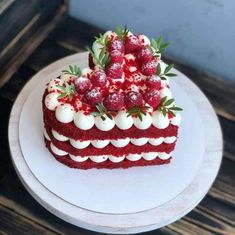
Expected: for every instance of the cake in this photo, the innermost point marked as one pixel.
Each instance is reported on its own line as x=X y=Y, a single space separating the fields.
x=116 y=113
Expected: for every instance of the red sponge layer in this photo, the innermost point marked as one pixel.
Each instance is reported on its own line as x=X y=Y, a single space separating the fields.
x=88 y=164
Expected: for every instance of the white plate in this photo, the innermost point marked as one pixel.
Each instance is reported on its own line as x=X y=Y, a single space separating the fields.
x=120 y=200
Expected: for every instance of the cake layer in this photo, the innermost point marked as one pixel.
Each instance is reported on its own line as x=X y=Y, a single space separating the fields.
x=110 y=149
x=71 y=131
x=88 y=164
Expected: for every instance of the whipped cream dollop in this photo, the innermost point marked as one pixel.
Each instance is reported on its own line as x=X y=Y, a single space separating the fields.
x=176 y=120
x=79 y=144
x=64 y=113
x=84 y=122
x=104 y=125
x=53 y=84
x=143 y=124
x=59 y=136
x=57 y=151
x=51 y=101
x=122 y=121
x=159 y=120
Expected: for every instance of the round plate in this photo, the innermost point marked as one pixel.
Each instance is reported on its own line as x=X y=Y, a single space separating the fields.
x=121 y=200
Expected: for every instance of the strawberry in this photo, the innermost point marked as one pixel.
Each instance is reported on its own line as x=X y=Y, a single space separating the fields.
x=98 y=78
x=82 y=84
x=133 y=99
x=114 y=101
x=149 y=68
x=145 y=54
x=114 y=70
x=94 y=96
x=153 y=82
x=116 y=56
x=153 y=98
x=132 y=44
x=116 y=44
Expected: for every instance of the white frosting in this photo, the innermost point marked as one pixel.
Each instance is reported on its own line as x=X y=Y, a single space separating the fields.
x=133 y=157
x=104 y=125
x=116 y=159
x=82 y=121
x=165 y=92
x=57 y=151
x=79 y=144
x=100 y=143
x=46 y=135
x=65 y=113
x=86 y=71
x=119 y=143
x=159 y=120
x=59 y=136
x=51 y=101
x=99 y=159
x=176 y=120
x=52 y=85
x=139 y=141
x=170 y=139
x=109 y=33
x=150 y=156
x=164 y=155
x=122 y=121
x=145 y=123
x=78 y=158
x=130 y=57
x=156 y=141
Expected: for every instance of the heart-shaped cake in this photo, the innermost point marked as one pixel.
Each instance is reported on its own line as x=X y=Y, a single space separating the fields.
x=119 y=112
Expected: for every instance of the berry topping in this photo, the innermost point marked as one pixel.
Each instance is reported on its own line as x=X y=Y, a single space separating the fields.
x=98 y=78
x=153 y=98
x=133 y=99
x=116 y=56
x=82 y=84
x=114 y=101
x=132 y=44
x=149 y=68
x=116 y=45
x=145 y=54
x=94 y=96
x=114 y=70
x=153 y=82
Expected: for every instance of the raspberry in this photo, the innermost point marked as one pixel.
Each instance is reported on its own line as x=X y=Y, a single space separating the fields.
x=133 y=99
x=82 y=84
x=149 y=68
x=116 y=56
x=114 y=70
x=153 y=98
x=90 y=61
x=114 y=101
x=132 y=44
x=116 y=44
x=145 y=54
x=153 y=82
x=94 y=96
x=98 y=78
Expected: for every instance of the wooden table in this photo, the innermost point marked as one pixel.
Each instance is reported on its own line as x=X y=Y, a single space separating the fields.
x=21 y=214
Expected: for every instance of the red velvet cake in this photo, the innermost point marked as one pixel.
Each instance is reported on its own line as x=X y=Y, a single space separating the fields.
x=119 y=112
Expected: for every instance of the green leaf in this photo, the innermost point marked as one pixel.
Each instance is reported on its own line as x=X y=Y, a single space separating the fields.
x=62 y=95
x=170 y=74
x=164 y=112
x=159 y=41
x=163 y=78
x=103 y=118
x=174 y=108
x=163 y=99
x=172 y=113
x=158 y=69
x=62 y=88
x=169 y=102
x=163 y=47
x=154 y=44
x=140 y=117
x=168 y=68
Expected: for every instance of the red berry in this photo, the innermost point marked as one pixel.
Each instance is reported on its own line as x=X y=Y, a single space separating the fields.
x=132 y=44
x=98 y=78
x=94 y=96
x=116 y=56
x=145 y=54
x=114 y=70
x=153 y=98
x=153 y=82
x=116 y=44
x=114 y=101
x=82 y=84
x=149 y=68
x=133 y=99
